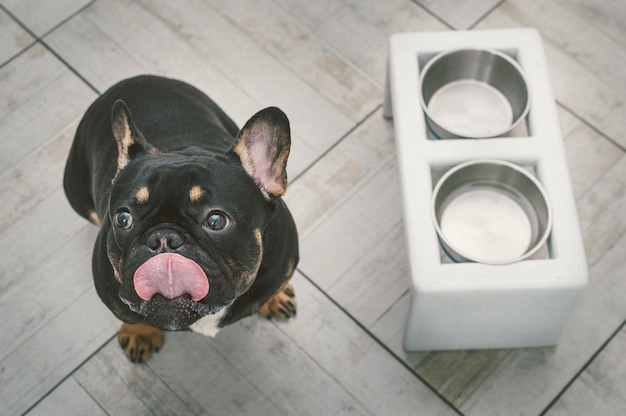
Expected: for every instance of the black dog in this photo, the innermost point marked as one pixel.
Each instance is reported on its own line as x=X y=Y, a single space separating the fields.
x=194 y=233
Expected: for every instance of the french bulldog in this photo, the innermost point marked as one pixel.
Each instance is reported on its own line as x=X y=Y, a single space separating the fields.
x=193 y=232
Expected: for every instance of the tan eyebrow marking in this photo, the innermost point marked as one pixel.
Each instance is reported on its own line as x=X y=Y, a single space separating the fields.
x=195 y=193
x=142 y=195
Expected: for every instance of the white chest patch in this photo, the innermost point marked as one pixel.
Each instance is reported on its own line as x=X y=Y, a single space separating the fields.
x=208 y=325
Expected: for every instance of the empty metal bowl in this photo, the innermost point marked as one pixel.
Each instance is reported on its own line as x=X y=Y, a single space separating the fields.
x=473 y=93
x=490 y=211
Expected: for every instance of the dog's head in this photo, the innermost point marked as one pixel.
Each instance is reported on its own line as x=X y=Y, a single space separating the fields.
x=186 y=231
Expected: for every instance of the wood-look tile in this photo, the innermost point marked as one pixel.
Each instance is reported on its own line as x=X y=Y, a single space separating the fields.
x=607 y=17
x=25 y=77
x=33 y=252
x=70 y=336
x=45 y=272
x=347 y=202
x=589 y=156
x=367 y=48
x=35 y=87
x=14 y=38
x=19 y=238
x=567 y=121
x=602 y=212
x=323 y=62
x=40 y=16
x=368 y=276
x=111 y=41
x=353 y=229
x=459 y=15
x=528 y=379
x=354 y=161
x=94 y=54
x=121 y=387
x=298 y=49
x=601 y=106
x=356 y=361
x=34 y=178
x=581 y=62
x=395 y=16
x=457 y=374
x=236 y=56
x=284 y=370
x=189 y=43
x=368 y=290
x=208 y=380
x=68 y=399
x=376 y=282
x=390 y=329
x=601 y=388
x=258 y=367
x=574 y=35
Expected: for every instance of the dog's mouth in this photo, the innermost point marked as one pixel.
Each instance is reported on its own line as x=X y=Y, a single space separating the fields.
x=169 y=287
x=171 y=275
x=172 y=314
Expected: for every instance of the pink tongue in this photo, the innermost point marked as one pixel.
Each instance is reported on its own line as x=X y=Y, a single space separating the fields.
x=171 y=275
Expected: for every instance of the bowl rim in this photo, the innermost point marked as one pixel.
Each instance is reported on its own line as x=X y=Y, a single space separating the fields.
x=513 y=62
x=450 y=250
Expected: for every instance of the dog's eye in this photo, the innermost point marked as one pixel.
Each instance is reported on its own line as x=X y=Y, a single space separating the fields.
x=216 y=221
x=123 y=220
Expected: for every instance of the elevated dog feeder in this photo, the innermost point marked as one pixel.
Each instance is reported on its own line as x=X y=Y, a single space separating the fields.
x=469 y=290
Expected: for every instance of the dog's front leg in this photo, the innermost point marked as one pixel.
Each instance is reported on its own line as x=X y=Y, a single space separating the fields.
x=139 y=341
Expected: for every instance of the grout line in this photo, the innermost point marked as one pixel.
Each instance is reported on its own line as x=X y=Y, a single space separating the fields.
x=583 y=369
x=69 y=67
x=26 y=47
x=381 y=344
x=433 y=14
x=485 y=14
x=591 y=126
x=53 y=28
x=71 y=374
x=326 y=44
x=39 y=39
x=89 y=392
x=18 y=54
x=448 y=25
x=334 y=145
x=323 y=368
x=68 y=18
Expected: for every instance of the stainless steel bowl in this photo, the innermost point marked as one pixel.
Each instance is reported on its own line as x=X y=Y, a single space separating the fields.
x=490 y=211
x=473 y=93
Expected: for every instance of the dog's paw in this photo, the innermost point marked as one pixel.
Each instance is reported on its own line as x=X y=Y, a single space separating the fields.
x=139 y=341
x=280 y=306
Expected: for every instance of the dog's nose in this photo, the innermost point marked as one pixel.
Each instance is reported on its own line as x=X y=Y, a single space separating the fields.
x=165 y=240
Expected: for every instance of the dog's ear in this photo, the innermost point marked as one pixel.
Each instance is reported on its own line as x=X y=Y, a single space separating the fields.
x=263 y=146
x=130 y=142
